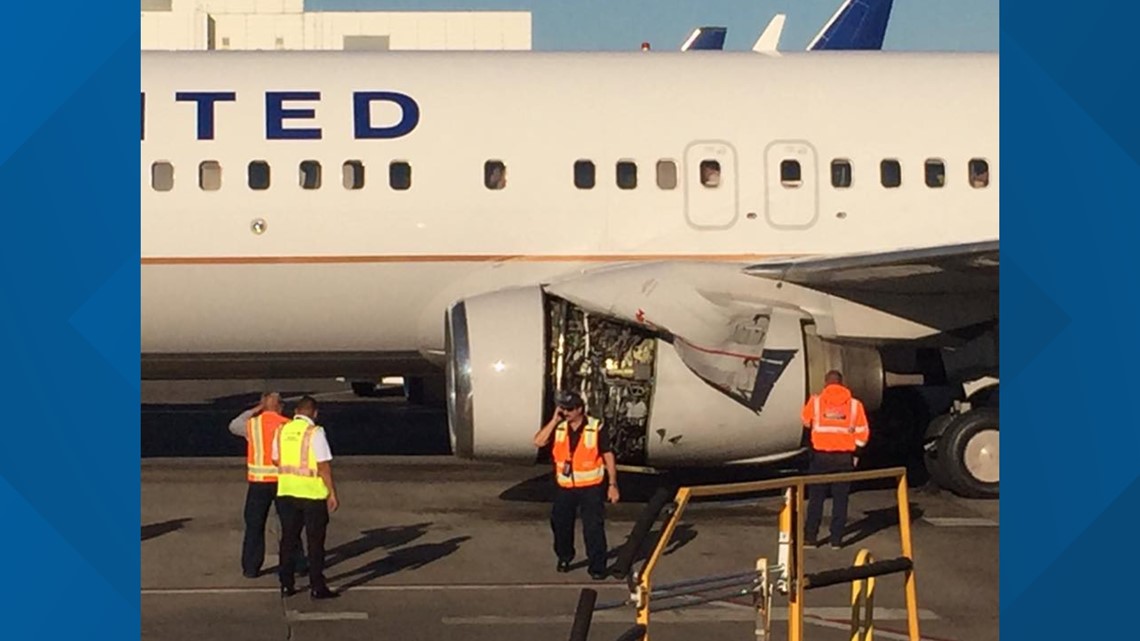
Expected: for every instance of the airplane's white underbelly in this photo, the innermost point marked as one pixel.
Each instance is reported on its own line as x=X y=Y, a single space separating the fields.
x=315 y=307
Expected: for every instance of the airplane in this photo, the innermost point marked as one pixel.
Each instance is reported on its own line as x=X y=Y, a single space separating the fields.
x=705 y=39
x=856 y=25
x=503 y=225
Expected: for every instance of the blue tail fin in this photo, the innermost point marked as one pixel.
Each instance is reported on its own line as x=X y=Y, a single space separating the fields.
x=858 y=25
x=705 y=39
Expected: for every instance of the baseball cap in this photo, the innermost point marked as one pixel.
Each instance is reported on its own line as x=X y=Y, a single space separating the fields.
x=568 y=400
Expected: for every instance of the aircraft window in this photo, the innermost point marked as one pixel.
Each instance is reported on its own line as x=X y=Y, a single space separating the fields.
x=979 y=173
x=584 y=174
x=210 y=175
x=841 y=173
x=352 y=174
x=791 y=175
x=935 y=173
x=666 y=174
x=891 y=173
x=400 y=175
x=162 y=176
x=626 y=175
x=710 y=174
x=494 y=174
x=259 y=175
x=310 y=174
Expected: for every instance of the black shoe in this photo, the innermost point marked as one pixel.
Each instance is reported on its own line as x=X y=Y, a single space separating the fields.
x=837 y=546
x=251 y=575
x=600 y=576
x=287 y=591
x=563 y=566
x=323 y=593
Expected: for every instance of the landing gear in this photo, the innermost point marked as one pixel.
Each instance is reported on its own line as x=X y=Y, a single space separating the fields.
x=962 y=452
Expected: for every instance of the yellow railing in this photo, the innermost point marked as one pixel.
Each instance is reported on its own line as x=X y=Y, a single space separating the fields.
x=792 y=580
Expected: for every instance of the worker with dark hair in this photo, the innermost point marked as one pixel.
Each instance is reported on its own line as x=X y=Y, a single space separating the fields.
x=839 y=431
x=582 y=460
x=306 y=495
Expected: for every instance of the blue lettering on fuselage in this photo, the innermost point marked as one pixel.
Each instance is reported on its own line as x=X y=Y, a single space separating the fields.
x=285 y=121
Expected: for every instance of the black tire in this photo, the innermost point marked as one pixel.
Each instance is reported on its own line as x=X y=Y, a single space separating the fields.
x=952 y=453
x=930 y=452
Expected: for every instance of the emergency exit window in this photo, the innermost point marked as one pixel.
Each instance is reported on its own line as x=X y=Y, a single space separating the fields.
x=399 y=175
x=710 y=174
x=791 y=174
x=310 y=174
x=162 y=176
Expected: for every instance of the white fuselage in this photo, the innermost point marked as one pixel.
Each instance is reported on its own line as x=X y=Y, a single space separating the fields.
x=373 y=269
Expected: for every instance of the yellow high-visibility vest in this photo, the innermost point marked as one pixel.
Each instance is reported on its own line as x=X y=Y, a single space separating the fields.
x=297 y=469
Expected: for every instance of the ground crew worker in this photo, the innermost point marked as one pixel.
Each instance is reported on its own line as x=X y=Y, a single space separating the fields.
x=258 y=426
x=582 y=460
x=839 y=431
x=305 y=496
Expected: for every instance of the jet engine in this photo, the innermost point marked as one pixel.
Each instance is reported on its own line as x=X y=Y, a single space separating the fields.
x=668 y=400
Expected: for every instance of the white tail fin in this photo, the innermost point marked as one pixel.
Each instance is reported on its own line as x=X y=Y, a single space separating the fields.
x=769 y=41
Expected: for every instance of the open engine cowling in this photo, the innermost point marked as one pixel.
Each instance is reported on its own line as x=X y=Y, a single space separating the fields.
x=668 y=401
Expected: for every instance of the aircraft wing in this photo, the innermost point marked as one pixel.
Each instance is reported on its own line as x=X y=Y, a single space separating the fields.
x=949 y=287
x=719 y=315
x=941 y=293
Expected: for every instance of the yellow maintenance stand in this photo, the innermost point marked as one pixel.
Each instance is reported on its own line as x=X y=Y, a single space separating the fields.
x=791 y=577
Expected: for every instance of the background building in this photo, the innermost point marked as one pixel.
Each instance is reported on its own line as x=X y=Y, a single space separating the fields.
x=284 y=24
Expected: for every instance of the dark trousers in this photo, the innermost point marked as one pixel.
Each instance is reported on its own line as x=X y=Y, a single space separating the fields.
x=258 y=498
x=312 y=516
x=591 y=501
x=821 y=463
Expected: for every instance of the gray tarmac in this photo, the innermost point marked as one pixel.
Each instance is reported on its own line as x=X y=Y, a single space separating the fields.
x=431 y=547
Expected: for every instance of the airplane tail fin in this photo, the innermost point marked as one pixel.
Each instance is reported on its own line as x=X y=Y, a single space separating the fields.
x=769 y=41
x=857 y=25
x=705 y=39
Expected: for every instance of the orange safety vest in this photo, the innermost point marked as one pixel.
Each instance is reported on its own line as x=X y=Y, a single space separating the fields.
x=836 y=420
x=259 y=433
x=586 y=468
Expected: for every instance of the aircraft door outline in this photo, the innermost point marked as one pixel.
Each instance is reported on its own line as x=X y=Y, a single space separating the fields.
x=709 y=205
x=791 y=198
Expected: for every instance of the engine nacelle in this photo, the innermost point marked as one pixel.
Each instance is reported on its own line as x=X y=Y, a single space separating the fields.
x=667 y=402
x=495 y=373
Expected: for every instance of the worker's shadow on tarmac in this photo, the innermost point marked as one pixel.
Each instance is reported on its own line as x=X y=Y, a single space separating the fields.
x=155 y=530
x=683 y=534
x=410 y=558
x=876 y=521
x=387 y=538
